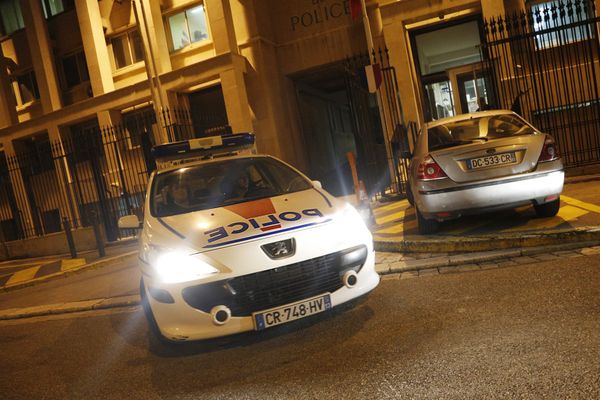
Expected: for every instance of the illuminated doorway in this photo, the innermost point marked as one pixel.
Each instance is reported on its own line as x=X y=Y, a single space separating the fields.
x=449 y=65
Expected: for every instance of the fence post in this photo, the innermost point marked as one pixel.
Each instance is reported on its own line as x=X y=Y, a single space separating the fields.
x=98 y=234
x=69 y=235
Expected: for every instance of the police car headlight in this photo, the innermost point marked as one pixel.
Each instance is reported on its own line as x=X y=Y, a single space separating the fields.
x=177 y=267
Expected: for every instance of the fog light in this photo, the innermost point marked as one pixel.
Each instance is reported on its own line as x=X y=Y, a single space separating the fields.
x=350 y=279
x=220 y=314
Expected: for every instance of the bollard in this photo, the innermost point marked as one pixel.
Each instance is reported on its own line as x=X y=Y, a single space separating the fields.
x=70 y=241
x=98 y=234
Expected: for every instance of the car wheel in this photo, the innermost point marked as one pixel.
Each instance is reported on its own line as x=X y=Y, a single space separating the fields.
x=426 y=226
x=549 y=209
x=152 y=324
x=409 y=195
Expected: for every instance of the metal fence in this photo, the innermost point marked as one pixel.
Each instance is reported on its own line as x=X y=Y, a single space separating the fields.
x=544 y=62
x=94 y=173
x=380 y=132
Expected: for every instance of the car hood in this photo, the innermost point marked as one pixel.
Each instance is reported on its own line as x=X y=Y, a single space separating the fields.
x=238 y=223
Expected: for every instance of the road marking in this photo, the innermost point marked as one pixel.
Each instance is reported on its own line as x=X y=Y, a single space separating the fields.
x=581 y=204
x=393 y=206
x=400 y=227
x=565 y=214
x=390 y=217
x=72 y=263
x=22 y=276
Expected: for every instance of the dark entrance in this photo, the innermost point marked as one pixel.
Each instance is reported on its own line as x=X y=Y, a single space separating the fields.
x=339 y=115
x=327 y=126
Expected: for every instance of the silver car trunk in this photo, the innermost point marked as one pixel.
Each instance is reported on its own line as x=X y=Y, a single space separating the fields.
x=457 y=162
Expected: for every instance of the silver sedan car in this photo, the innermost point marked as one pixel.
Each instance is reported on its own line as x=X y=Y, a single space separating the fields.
x=480 y=162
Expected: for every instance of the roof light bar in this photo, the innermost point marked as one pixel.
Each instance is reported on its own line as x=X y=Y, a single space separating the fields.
x=177 y=153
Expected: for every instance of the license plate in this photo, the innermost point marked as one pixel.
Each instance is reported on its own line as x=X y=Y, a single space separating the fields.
x=290 y=312
x=490 y=161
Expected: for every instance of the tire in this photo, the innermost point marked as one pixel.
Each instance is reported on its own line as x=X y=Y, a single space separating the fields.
x=409 y=195
x=549 y=209
x=152 y=324
x=426 y=226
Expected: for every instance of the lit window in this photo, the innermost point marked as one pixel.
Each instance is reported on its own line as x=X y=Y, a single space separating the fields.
x=54 y=7
x=188 y=27
x=27 y=86
x=127 y=49
x=11 y=19
x=75 y=70
x=547 y=19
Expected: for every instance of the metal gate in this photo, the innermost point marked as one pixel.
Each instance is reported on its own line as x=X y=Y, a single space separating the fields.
x=378 y=125
x=544 y=64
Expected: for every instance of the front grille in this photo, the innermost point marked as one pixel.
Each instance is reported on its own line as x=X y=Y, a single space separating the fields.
x=271 y=288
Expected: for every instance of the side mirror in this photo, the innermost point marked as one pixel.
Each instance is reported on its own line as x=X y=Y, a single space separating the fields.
x=317 y=184
x=129 y=222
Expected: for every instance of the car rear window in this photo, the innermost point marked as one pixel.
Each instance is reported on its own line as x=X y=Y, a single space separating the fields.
x=473 y=129
x=220 y=183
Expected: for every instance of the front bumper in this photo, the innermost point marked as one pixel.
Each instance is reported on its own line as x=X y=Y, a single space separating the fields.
x=459 y=200
x=180 y=321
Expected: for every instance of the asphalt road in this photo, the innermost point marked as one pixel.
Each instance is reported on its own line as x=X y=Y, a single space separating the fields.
x=529 y=331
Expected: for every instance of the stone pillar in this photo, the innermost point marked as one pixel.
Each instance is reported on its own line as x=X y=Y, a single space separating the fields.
x=156 y=57
x=8 y=105
x=64 y=178
x=236 y=100
x=94 y=46
x=221 y=24
x=25 y=217
x=156 y=27
x=233 y=82
x=41 y=55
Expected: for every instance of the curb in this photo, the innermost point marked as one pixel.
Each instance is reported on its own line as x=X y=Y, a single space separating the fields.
x=476 y=257
x=93 y=265
x=65 y=308
x=451 y=244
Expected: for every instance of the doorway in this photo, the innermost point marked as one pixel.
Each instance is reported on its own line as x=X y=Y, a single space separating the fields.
x=338 y=115
x=449 y=64
x=327 y=127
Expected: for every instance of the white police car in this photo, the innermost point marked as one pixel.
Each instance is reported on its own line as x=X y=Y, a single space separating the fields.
x=233 y=243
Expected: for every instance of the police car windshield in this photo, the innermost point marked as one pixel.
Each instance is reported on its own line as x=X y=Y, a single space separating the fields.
x=221 y=183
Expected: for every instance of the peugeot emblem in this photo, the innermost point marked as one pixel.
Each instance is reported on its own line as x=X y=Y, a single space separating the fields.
x=490 y=151
x=281 y=249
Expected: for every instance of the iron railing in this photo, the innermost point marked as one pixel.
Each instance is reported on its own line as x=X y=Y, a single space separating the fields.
x=544 y=62
x=96 y=173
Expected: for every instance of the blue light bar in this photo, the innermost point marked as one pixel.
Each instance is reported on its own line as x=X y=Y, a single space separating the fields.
x=204 y=146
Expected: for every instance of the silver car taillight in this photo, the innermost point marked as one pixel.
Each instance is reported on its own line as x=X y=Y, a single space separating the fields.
x=430 y=170
x=549 y=151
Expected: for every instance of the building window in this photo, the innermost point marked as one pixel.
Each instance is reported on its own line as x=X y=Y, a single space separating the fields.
x=554 y=27
x=55 y=7
x=11 y=19
x=75 y=70
x=127 y=49
x=188 y=27
x=27 y=86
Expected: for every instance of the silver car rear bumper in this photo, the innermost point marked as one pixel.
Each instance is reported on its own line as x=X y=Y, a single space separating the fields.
x=489 y=194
